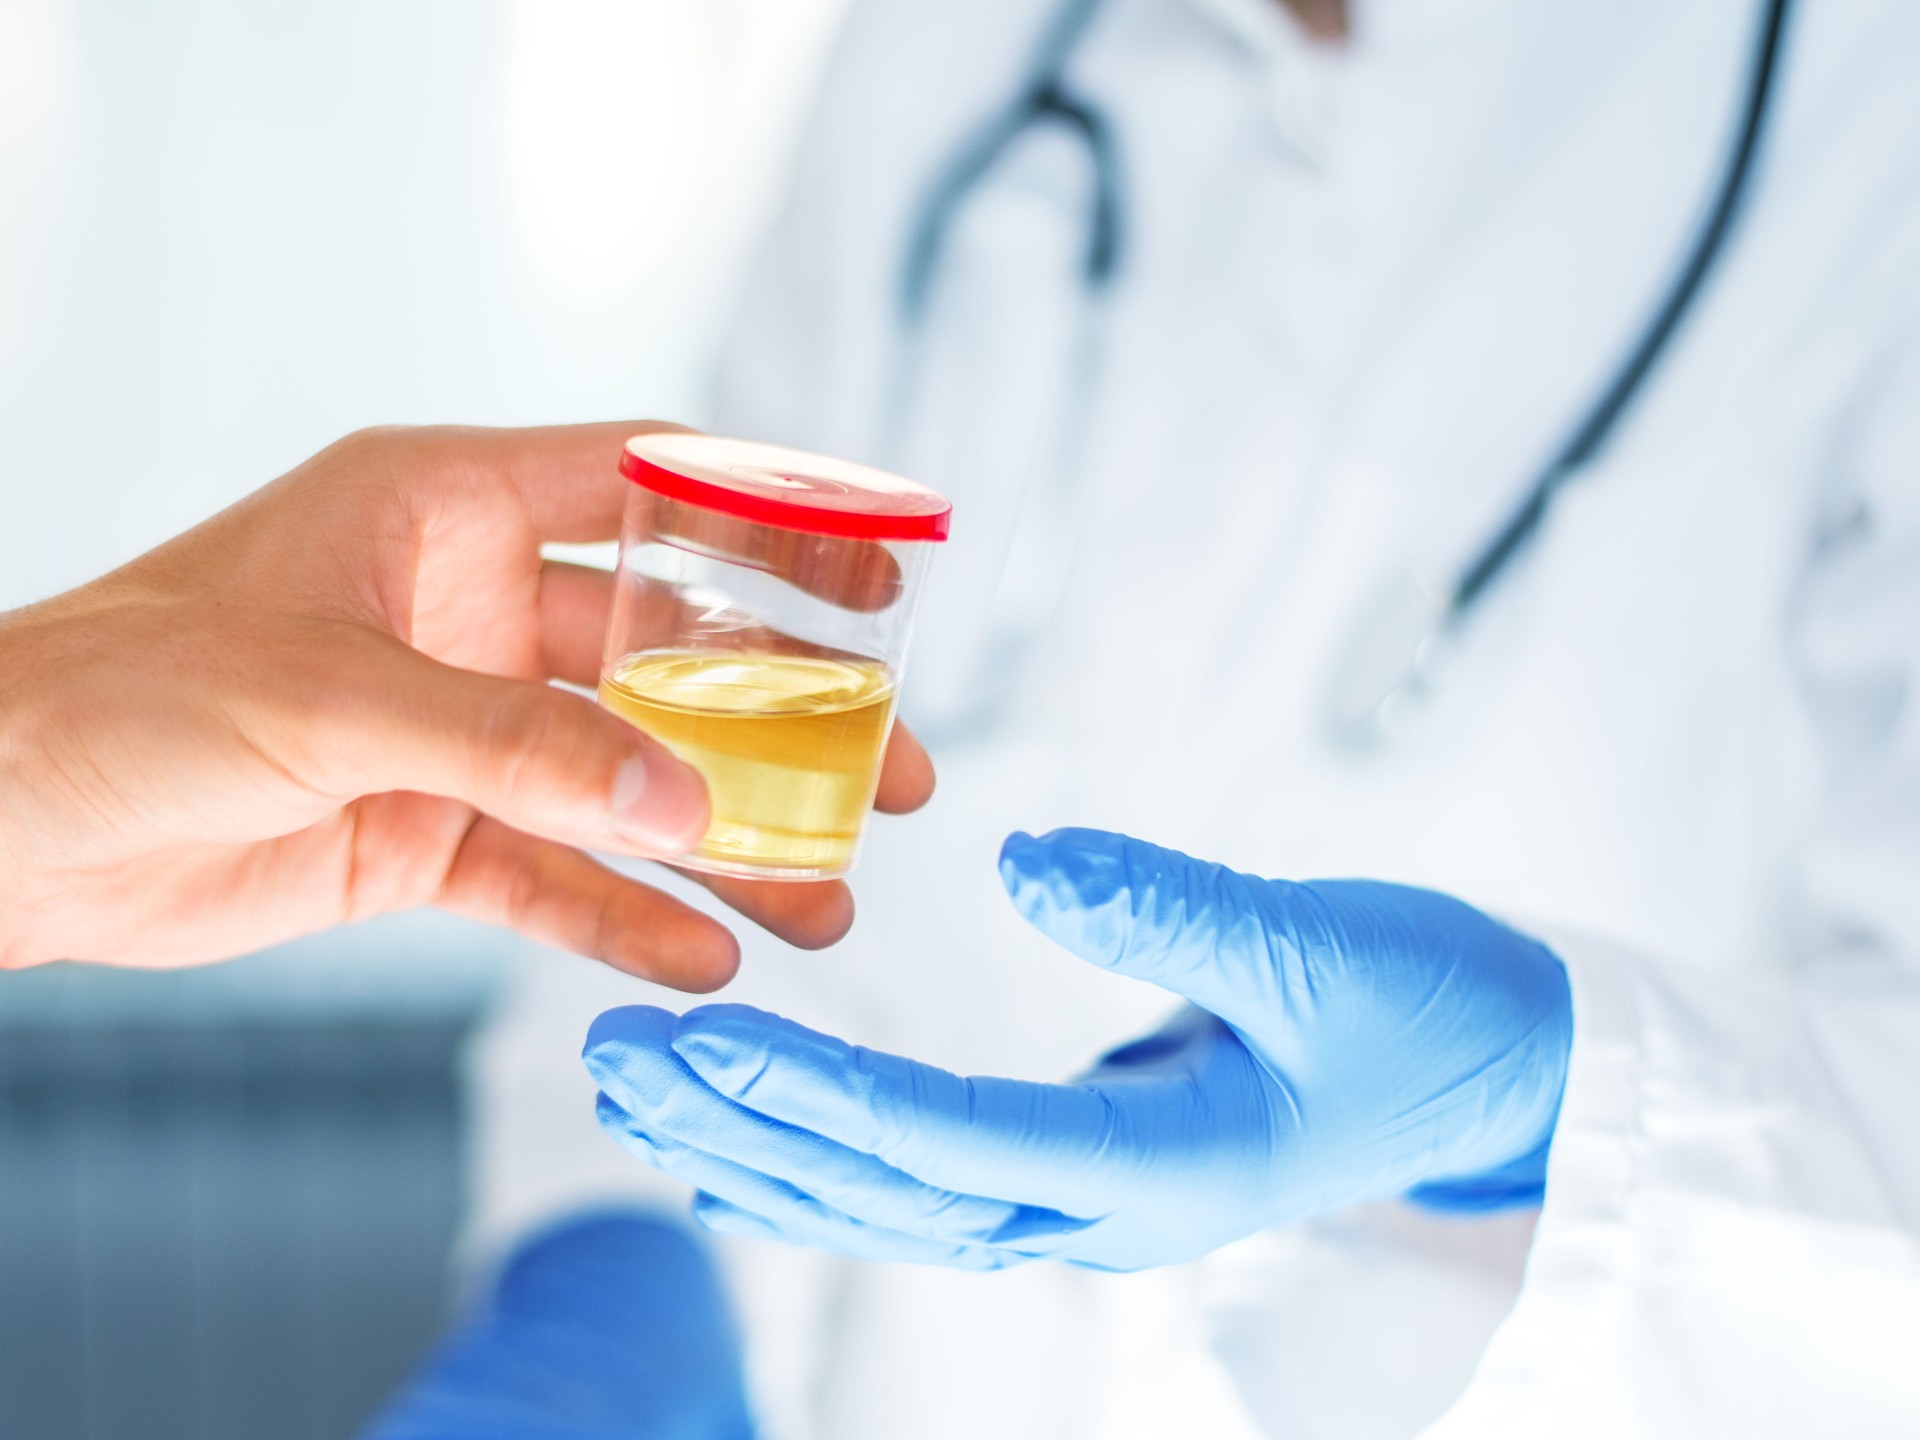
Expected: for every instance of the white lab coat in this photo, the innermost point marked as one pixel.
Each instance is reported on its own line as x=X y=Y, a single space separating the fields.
x=1364 y=293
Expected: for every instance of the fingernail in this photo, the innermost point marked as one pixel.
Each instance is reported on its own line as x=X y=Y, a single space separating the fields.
x=659 y=804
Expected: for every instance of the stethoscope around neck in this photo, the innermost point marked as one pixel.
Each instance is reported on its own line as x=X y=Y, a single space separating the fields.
x=1402 y=645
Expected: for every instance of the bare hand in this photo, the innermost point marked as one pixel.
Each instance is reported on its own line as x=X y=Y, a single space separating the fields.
x=330 y=701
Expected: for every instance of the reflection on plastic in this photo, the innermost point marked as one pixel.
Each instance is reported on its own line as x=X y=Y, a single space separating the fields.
x=858 y=575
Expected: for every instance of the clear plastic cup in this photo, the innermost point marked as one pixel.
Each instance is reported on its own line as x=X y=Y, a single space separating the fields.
x=760 y=624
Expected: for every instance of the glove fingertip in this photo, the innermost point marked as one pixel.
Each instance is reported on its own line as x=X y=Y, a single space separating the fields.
x=723 y=1012
x=625 y=1026
x=716 y=1059
x=1017 y=844
x=629 y=1054
x=1023 y=855
x=736 y=1048
x=724 y=1045
x=1072 y=886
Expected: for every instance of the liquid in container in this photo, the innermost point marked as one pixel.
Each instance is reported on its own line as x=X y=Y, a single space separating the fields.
x=763 y=605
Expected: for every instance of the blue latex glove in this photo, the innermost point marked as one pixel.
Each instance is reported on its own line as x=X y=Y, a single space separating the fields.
x=612 y=1327
x=1352 y=1041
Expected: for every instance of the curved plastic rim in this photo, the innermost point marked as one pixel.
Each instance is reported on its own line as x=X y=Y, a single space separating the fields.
x=788 y=514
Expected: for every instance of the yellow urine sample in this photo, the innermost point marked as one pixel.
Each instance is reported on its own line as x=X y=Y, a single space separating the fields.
x=789 y=745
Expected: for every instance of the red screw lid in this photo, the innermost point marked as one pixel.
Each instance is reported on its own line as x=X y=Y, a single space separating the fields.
x=790 y=489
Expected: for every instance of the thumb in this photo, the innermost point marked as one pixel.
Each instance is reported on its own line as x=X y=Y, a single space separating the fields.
x=1189 y=926
x=537 y=758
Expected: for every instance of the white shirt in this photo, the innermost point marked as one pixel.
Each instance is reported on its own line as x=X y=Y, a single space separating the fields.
x=1364 y=293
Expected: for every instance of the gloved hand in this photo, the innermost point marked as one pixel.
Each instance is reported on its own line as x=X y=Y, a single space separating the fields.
x=1353 y=1041
x=610 y=1327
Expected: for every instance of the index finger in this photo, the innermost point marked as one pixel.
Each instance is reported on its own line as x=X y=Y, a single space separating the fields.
x=567 y=476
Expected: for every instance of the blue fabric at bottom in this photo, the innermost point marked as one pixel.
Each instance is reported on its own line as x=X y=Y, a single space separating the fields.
x=610 y=1327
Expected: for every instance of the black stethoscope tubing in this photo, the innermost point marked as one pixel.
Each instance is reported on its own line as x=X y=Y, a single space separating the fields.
x=1603 y=419
x=1045 y=98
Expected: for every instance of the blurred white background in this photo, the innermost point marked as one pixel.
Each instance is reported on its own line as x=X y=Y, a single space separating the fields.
x=230 y=232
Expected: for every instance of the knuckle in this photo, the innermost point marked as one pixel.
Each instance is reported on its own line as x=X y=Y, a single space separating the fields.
x=521 y=897
x=523 y=901
x=603 y=930
x=529 y=748
x=359 y=450
x=898 y=1139
x=390 y=459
